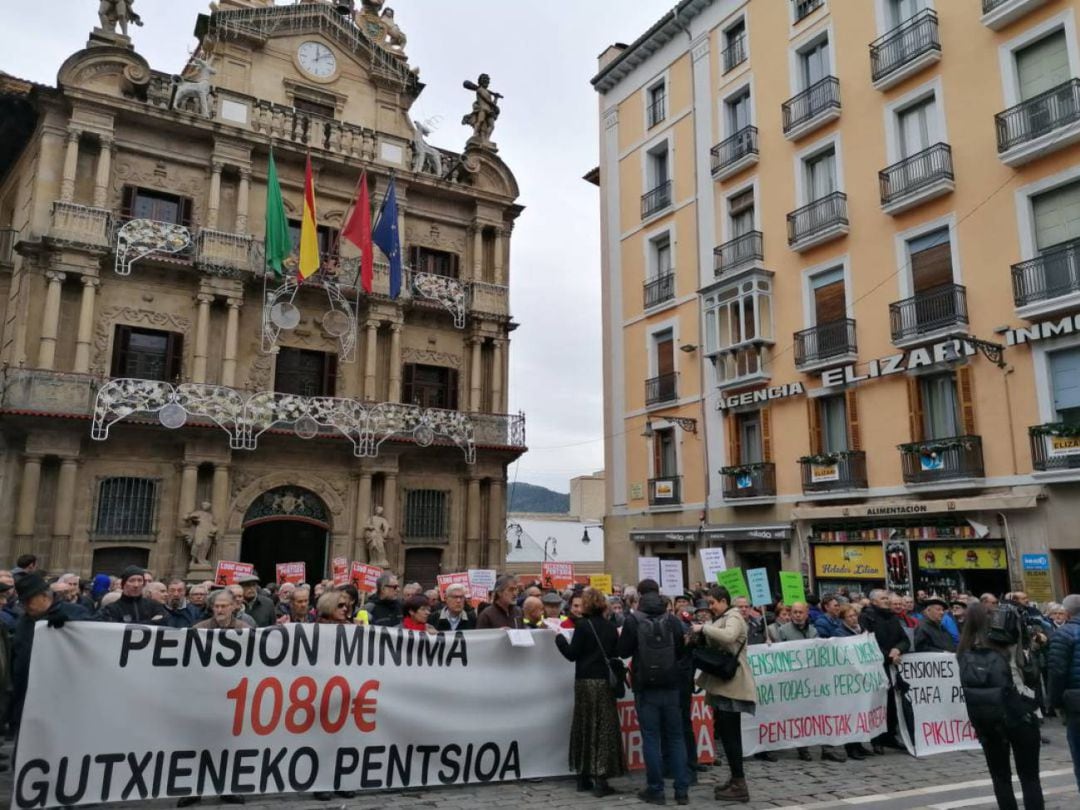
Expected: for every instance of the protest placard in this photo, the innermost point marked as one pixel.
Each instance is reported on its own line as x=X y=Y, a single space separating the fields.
x=444 y=581
x=363 y=576
x=829 y=691
x=602 y=583
x=228 y=570
x=671 y=578
x=758 y=581
x=936 y=718
x=712 y=562
x=791 y=587
x=557 y=575
x=648 y=568
x=340 y=568
x=700 y=719
x=481 y=583
x=732 y=579
x=294 y=572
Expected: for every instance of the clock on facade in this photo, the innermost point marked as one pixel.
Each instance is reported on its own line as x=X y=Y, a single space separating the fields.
x=317 y=59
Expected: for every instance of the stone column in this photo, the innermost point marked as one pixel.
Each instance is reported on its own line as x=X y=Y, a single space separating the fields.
x=478 y=252
x=63 y=513
x=185 y=505
x=50 y=324
x=219 y=497
x=202 y=338
x=496 y=556
x=475 y=367
x=389 y=505
x=86 y=324
x=363 y=512
x=497 y=377
x=472 y=523
x=232 y=332
x=71 y=166
x=26 y=510
x=497 y=271
x=394 y=394
x=104 y=172
x=215 y=195
x=242 y=195
x=370 y=359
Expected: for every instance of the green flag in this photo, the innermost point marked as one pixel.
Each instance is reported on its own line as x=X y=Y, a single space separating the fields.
x=277 y=243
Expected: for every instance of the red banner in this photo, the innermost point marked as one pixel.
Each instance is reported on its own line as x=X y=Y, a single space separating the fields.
x=340 y=567
x=446 y=580
x=294 y=572
x=557 y=575
x=363 y=576
x=228 y=571
x=700 y=717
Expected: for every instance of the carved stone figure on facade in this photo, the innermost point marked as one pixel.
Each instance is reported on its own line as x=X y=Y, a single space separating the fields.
x=197 y=88
x=117 y=12
x=376 y=534
x=395 y=37
x=424 y=154
x=200 y=532
x=485 y=112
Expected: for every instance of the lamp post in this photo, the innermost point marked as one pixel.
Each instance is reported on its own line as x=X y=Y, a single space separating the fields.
x=552 y=542
x=518 y=531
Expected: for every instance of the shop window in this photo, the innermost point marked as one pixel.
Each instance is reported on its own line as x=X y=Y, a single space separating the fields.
x=147 y=354
x=305 y=373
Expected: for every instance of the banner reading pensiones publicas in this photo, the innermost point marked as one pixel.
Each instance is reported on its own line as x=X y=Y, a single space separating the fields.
x=821 y=691
x=135 y=713
x=936 y=718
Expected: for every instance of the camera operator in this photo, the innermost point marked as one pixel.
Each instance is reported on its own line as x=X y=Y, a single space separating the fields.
x=1031 y=651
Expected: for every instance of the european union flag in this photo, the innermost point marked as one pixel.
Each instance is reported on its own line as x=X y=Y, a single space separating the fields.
x=385 y=235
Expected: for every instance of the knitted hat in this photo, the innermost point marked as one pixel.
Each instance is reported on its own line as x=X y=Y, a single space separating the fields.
x=131 y=571
x=100 y=586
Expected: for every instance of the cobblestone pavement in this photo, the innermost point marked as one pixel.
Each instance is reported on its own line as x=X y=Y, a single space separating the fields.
x=893 y=782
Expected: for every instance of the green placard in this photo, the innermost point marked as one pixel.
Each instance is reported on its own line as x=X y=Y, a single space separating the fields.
x=733 y=580
x=791 y=587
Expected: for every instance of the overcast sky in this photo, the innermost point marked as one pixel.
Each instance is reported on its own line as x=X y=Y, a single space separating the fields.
x=541 y=56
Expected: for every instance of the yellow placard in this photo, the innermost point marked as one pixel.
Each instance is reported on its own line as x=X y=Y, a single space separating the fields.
x=602 y=583
x=849 y=562
x=1037 y=586
x=1064 y=445
x=953 y=558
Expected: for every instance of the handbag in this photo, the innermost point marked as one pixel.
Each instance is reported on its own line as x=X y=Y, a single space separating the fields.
x=718 y=663
x=616 y=669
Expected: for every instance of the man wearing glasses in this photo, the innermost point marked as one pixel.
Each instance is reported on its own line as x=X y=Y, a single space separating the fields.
x=385 y=609
x=455 y=615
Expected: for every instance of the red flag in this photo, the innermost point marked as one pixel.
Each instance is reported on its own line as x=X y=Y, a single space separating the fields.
x=358 y=231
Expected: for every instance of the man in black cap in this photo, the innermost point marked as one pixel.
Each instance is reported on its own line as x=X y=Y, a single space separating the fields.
x=132 y=607
x=257 y=605
x=930 y=636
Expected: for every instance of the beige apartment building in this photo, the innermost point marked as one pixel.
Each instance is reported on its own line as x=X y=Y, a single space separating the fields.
x=151 y=365
x=841 y=291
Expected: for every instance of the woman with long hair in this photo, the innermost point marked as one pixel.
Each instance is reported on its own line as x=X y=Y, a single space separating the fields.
x=1002 y=708
x=596 y=752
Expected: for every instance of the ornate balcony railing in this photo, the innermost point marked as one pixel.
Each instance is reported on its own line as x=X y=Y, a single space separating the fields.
x=913 y=174
x=735 y=53
x=904 y=44
x=749 y=480
x=820 y=216
x=80 y=225
x=734 y=148
x=658 y=110
x=659 y=289
x=662 y=388
x=737 y=252
x=1038 y=116
x=227 y=254
x=656 y=199
x=491 y=299
x=1054 y=273
x=1054 y=446
x=990 y=5
x=665 y=491
x=935 y=460
x=29 y=390
x=833 y=472
x=8 y=236
x=742 y=364
x=821 y=343
x=811 y=102
x=929 y=311
x=803 y=8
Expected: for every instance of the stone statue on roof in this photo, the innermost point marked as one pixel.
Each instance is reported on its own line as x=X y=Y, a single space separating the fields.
x=112 y=13
x=484 y=113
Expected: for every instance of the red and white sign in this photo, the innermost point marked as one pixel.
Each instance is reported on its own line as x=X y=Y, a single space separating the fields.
x=363 y=576
x=228 y=571
x=340 y=567
x=294 y=572
x=481 y=584
x=557 y=575
x=446 y=580
x=700 y=718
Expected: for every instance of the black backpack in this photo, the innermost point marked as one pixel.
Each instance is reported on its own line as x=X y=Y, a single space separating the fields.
x=989 y=691
x=654 y=664
x=1003 y=625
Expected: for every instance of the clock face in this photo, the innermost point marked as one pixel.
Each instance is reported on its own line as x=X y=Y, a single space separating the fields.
x=317 y=59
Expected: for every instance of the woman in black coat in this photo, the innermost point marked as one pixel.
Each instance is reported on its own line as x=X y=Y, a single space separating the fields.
x=596 y=751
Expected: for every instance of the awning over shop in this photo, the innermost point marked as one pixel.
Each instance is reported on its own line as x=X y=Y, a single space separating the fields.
x=1015 y=498
x=713 y=534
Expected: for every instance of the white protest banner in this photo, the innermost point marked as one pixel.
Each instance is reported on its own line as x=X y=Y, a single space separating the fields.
x=292 y=708
x=713 y=562
x=935 y=704
x=671 y=578
x=648 y=568
x=829 y=691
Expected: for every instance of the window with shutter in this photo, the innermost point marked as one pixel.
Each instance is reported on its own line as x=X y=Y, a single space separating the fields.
x=305 y=373
x=664 y=457
x=1057 y=216
x=854 y=440
x=940 y=406
x=816 y=442
x=915 y=410
x=734 y=439
x=147 y=354
x=430 y=386
x=1065 y=377
x=930 y=257
x=1042 y=65
x=965 y=385
x=160 y=207
x=766 y=434
x=833 y=422
x=751 y=442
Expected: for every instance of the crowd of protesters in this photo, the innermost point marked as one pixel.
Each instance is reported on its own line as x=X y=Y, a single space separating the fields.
x=693 y=641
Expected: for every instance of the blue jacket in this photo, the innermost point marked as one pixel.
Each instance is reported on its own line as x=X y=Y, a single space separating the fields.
x=828 y=627
x=1063 y=660
x=949 y=623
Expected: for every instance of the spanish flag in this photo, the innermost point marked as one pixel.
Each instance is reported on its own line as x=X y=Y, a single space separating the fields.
x=309 y=237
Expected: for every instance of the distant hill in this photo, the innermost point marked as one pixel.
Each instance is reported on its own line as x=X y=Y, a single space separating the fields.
x=532 y=498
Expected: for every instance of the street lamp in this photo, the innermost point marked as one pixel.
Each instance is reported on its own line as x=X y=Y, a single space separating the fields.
x=516 y=527
x=684 y=422
x=550 y=541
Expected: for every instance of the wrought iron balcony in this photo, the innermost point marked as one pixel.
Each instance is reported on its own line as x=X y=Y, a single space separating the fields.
x=990 y=5
x=828 y=341
x=996 y=14
x=656 y=199
x=905 y=49
x=803 y=8
x=658 y=110
x=662 y=388
x=8 y=237
x=928 y=312
x=749 y=480
x=659 y=289
x=736 y=253
x=923 y=176
x=818 y=103
x=818 y=222
x=735 y=53
x=1037 y=117
x=665 y=491
x=1054 y=446
x=934 y=460
x=1055 y=273
x=80 y=225
x=833 y=472
x=735 y=152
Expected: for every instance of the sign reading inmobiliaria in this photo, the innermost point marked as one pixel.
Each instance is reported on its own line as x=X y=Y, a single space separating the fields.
x=292 y=708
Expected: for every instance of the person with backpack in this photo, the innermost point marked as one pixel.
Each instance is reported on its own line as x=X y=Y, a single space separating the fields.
x=653 y=639
x=1001 y=706
x=1063 y=666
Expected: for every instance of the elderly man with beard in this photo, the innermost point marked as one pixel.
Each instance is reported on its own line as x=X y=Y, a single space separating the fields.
x=132 y=607
x=181 y=612
x=879 y=619
x=257 y=605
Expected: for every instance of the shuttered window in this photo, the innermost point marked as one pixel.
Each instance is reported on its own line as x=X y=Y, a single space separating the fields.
x=930 y=257
x=664 y=457
x=942 y=406
x=1065 y=377
x=147 y=354
x=1057 y=216
x=1042 y=65
x=830 y=304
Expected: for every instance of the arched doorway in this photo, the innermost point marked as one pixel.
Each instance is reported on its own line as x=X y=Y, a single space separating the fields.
x=286 y=524
x=423 y=565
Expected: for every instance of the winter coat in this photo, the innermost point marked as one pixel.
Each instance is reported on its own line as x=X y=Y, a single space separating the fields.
x=1063 y=661
x=494 y=617
x=134 y=610
x=384 y=612
x=23 y=646
x=651 y=606
x=827 y=626
x=261 y=610
x=755 y=629
x=789 y=632
x=931 y=637
x=210 y=624
x=186 y=616
x=729 y=633
x=589 y=657
x=887 y=629
x=467 y=621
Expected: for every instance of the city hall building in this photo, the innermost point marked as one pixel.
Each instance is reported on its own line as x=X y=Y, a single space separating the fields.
x=840 y=291
x=152 y=365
